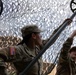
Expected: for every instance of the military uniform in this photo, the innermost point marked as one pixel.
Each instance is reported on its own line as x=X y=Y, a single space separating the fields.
x=2 y=67
x=21 y=55
x=27 y=55
x=65 y=65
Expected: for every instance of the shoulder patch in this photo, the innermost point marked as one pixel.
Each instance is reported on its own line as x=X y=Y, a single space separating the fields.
x=12 y=50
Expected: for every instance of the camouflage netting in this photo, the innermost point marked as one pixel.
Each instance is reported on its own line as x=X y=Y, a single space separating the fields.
x=47 y=14
x=6 y=41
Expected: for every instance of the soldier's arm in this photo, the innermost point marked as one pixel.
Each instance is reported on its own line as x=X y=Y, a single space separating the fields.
x=3 y=59
x=45 y=41
x=66 y=47
x=8 y=53
x=63 y=58
x=13 y=54
x=64 y=50
x=4 y=53
x=2 y=67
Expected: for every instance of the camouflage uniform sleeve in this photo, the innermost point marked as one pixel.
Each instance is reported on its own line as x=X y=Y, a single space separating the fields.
x=64 y=50
x=45 y=41
x=63 y=58
x=4 y=52
x=3 y=58
x=8 y=53
x=2 y=67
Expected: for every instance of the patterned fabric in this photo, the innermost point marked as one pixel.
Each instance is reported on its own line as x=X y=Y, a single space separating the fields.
x=22 y=57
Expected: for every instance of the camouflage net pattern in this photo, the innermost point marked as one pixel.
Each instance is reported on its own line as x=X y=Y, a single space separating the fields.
x=6 y=41
x=47 y=14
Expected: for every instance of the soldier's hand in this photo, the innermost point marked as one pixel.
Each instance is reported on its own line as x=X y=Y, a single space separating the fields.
x=73 y=34
x=68 y=20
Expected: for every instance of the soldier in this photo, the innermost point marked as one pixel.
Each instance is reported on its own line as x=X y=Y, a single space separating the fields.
x=67 y=59
x=23 y=53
